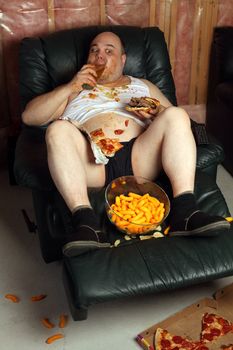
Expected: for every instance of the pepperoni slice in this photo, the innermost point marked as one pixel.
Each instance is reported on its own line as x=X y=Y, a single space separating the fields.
x=109 y=148
x=222 y=322
x=215 y=332
x=204 y=326
x=97 y=132
x=227 y=328
x=165 y=343
x=104 y=145
x=177 y=339
x=187 y=345
x=208 y=336
x=208 y=318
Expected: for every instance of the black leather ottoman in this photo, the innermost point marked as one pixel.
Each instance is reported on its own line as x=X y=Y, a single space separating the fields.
x=151 y=266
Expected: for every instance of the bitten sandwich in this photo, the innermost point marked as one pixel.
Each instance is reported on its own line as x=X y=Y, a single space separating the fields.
x=142 y=104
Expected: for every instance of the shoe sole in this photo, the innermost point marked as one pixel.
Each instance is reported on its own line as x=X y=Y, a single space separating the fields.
x=72 y=249
x=211 y=230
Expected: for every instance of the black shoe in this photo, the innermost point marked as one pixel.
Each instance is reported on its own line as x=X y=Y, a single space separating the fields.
x=199 y=224
x=84 y=240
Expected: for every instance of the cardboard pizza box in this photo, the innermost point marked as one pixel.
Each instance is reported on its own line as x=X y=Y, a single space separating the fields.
x=187 y=322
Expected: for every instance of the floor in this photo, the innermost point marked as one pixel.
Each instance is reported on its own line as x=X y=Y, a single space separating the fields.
x=23 y=272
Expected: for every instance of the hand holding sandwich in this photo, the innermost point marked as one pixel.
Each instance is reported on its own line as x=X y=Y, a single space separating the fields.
x=86 y=78
x=144 y=107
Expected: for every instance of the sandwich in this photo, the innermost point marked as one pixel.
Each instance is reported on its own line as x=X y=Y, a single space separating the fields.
x=145 y=104
x=99 y=71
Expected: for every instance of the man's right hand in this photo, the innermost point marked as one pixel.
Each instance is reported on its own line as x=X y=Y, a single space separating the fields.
x=86 y=75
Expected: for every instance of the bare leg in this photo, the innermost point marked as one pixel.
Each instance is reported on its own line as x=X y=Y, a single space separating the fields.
x=168 y=143
x=71 y=163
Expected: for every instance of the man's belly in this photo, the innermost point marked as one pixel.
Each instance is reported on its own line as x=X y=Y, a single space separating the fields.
x=114 y=126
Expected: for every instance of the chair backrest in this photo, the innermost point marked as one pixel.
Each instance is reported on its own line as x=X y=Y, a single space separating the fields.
x=49 y=61
x=221 y=57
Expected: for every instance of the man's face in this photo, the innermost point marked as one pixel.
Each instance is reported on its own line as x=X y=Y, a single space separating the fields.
x=106 y=50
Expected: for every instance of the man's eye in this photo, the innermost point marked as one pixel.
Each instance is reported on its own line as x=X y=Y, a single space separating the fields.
x=93 y=50
x=108 y=51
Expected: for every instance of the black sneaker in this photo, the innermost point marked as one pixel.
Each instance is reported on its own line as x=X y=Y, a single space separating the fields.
x=84 y=240
x=199 y=224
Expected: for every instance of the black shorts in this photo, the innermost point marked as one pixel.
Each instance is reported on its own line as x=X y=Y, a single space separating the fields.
x=120 y=164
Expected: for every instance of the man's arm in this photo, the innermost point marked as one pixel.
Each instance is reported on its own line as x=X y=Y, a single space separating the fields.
x=156 y=93
x=50 y=106
x=47 y=107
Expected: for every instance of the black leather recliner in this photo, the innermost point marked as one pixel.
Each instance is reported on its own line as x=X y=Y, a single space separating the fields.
x=219 y=112
x=135 y=267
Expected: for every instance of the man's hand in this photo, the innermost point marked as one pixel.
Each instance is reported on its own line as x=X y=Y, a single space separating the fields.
x=86 y=75
x=151 y=114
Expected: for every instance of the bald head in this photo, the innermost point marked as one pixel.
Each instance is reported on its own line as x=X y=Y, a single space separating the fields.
x=110 y=36
x=106 y=49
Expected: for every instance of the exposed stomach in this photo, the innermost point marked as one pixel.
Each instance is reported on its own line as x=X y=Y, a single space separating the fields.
x=113 y=126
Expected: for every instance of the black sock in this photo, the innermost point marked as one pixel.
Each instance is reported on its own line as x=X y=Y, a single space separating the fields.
x=85 y=216
x=182 y=207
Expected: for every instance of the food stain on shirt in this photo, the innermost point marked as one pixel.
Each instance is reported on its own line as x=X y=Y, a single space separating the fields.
x=118 y=131
x=91 y=95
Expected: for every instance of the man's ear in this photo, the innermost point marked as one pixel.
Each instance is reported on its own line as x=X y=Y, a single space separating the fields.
x=123 y=58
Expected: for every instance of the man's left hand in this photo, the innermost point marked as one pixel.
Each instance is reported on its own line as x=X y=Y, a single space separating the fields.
x=151 y=114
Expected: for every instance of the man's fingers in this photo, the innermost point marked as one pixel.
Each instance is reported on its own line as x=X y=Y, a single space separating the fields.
x=137 y=113
x=153 y=111
x=146 y=114
x=88 y=68
x=143 y=114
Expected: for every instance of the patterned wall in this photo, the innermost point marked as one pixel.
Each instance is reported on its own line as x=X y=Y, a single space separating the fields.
x=187 y=24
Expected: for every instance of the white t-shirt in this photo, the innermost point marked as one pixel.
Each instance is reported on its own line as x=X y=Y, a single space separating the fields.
x=101 y=99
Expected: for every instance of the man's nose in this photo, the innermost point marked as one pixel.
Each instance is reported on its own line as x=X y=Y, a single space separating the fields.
x=100 y=56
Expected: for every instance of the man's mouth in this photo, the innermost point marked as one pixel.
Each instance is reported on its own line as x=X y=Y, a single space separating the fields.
x=99 y=70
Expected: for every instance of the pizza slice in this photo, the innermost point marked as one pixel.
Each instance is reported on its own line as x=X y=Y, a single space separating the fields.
x=227 y=347
x=214 y=326
x=108 y=146
x=167 y=341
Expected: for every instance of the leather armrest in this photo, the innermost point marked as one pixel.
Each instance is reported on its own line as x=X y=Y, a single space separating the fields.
x=30 y=167
x=209 y=157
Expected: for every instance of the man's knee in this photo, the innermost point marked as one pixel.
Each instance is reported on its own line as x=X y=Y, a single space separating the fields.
x=175 y=114
x=60 y=130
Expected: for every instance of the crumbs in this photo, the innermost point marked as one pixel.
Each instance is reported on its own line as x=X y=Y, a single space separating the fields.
x=61 y=322
x=109 y=93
